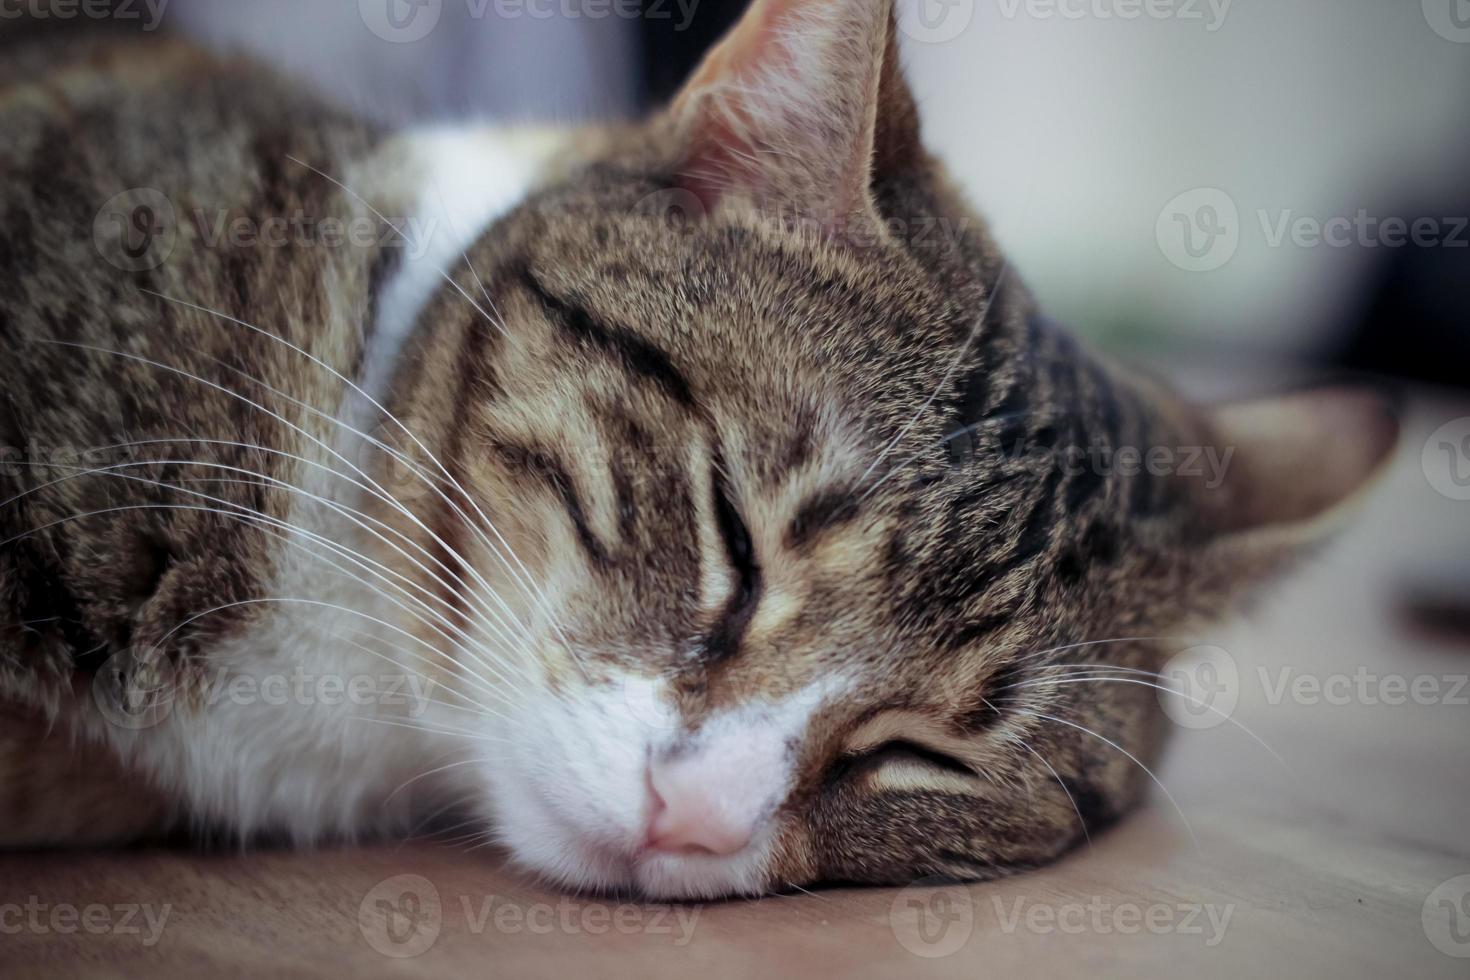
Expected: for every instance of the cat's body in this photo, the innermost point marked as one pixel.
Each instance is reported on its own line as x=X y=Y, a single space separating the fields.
x=161 y=369
x=647 y=541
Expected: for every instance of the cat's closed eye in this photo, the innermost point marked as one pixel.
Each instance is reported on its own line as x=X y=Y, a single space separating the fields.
x=901 y=744
x=724 y=639
x=906 y=751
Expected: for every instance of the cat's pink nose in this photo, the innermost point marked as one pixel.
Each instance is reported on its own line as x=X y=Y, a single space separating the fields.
x=686 y=815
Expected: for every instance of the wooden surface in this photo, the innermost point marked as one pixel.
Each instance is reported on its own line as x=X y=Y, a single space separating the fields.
x=1326 y=865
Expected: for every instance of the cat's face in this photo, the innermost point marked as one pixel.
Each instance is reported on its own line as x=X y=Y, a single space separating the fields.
x=768 y=618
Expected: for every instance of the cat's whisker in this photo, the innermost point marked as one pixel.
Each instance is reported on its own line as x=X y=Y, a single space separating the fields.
x=479 y=283
x=247 y=513
x=1225 y=716
x=492 y=839
x=430 y=729
x=462 y=800
x=430 y=772
x=428 y=479
x=1037 y=654
x=356 y=612
x=807 y=892
x=943 y=381
x=474 y=708
x=1081 y=820
x=1133 y=758
x=529 y=582
x=1102 y=666
x=469 y=597
x=172 y=692
x=523 y=577
x=446 y=838
x=341 y=509
x=387 y=498
x=471 y=706
x=1006 y=417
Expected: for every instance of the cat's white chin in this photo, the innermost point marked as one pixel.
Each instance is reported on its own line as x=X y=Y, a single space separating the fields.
x=578 y=796
x=596 y=863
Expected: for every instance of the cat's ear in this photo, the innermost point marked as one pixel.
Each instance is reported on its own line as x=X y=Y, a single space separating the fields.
x=1296 y=460
x=799 y=108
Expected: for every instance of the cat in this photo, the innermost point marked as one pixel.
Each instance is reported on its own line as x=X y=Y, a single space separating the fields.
x=671 y=501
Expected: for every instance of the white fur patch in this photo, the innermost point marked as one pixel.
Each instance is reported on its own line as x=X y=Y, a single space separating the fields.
x=317 y=721
x=467 y=179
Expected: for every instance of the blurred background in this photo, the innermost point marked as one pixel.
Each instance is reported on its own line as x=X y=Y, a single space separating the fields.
x=1282 y=182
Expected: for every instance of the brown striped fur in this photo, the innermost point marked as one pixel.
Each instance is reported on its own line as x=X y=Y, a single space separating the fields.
x=791 y=357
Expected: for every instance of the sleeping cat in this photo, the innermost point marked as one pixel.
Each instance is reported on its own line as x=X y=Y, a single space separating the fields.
x=698 y=507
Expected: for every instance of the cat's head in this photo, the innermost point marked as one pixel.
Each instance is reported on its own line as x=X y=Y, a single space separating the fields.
x=818 y=554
